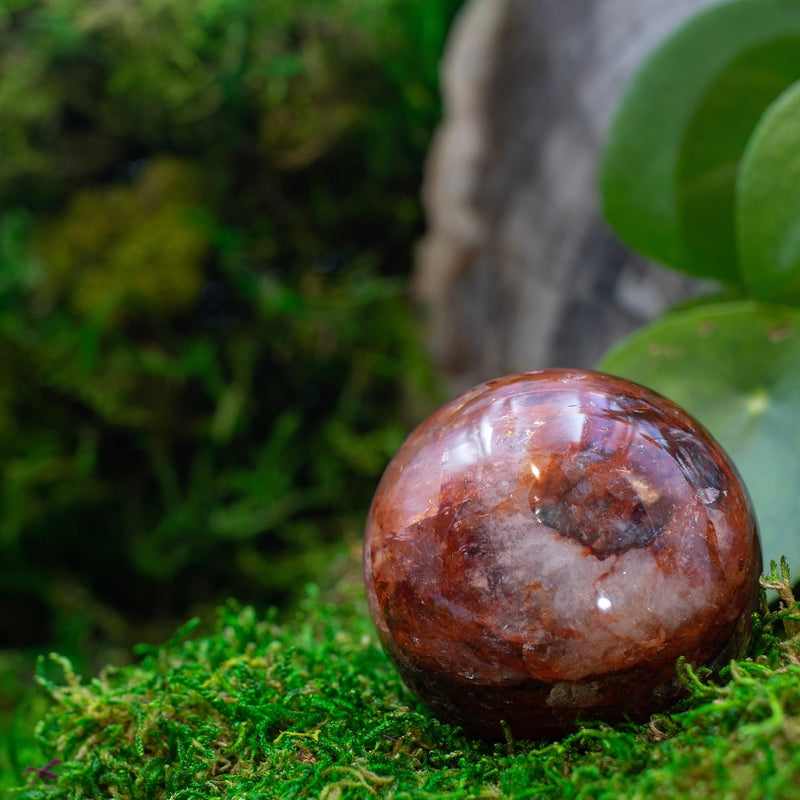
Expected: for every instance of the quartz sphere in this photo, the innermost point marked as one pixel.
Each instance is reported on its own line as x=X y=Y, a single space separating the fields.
x=545 y=547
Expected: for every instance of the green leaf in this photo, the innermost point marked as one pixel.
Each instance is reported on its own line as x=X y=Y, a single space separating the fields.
x=669 y=168
x=768 y=203
x=734 y=366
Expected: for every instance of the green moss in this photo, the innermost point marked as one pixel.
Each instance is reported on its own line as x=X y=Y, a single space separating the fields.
x=312 y=708
x=139 y=245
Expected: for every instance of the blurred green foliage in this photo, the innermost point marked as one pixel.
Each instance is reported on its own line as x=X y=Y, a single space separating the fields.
x=207 y=210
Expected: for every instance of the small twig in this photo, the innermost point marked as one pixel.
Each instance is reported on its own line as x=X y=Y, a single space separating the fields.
x=45 y=773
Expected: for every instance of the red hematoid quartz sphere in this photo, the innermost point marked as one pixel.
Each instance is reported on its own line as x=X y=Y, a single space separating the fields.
x=543 y=549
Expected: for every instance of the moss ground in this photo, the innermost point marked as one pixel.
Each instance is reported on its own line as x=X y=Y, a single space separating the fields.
x=310 y=707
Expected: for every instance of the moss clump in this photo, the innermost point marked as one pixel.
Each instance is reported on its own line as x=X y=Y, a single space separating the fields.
x=312 y=708
x=139 y=245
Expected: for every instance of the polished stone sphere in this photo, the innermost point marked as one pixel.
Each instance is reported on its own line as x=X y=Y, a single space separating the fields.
x=545 y=547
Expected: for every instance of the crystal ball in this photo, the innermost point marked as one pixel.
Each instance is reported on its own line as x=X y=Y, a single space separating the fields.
x=544 y=548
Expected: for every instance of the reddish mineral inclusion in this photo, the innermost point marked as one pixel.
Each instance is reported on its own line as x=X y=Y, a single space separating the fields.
x=543 y=549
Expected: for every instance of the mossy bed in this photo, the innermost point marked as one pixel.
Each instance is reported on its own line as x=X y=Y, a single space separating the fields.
x=310 y=707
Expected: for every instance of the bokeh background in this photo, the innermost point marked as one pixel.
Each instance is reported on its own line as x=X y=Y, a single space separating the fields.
x=208 y=210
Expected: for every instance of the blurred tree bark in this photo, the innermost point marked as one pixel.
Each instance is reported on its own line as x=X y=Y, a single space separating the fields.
x=517 y=270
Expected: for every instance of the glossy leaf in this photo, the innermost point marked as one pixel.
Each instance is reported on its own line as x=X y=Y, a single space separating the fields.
x=736 y=368
x=669 y=168
x=768 y=203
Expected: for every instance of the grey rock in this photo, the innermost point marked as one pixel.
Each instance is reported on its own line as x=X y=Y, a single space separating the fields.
x=517 y=270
